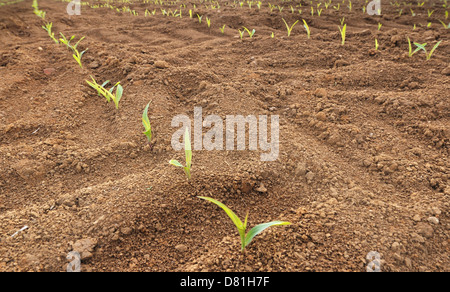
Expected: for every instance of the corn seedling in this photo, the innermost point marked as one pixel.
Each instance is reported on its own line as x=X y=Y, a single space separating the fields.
x=146 y=123
x=208 y=22
x=246 y=238
x=430 y=12
x=343 y=31
x=250 y=33
x=190 y=13
x=342 y=21
x=241 y=33
x=76 y=54
x=422 y=47
x=272 y=35
x=66 y=41
x=379 y=26
x=222 y=29
x=319 y=12
x=411 y=52
x=376 y=45
x=37 y=11
x=108 y=94
x=306 y=26
x=446 y=26
x=289 y=28
x=199 y=18
x=188 y=154
x=48 y=28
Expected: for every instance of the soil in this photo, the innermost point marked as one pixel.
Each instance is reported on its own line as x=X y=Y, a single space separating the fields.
x=364 y=140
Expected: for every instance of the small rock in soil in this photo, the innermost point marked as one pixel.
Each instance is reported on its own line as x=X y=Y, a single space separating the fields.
x=181 y=248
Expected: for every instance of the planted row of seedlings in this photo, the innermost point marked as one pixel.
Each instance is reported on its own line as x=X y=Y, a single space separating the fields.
x=109 y=95
x=316 y=9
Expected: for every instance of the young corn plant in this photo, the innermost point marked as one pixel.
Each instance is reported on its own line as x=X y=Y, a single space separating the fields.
x=343 y=31
x=208 y=22
x=188 y=155
x=241 y=33
x=250 y=33
x=289 y=28
x=422 y=47
x=48 y=28
x=376 y=45
x=222 y=29
x=146 y=123
x=306 y=26
x=246 y=238
x=66 y=41
x=77 y=55
x=446 y=26
x=411 y=52
x=108 y=94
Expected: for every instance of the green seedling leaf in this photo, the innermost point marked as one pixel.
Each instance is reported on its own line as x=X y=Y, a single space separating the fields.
x=250 y=33
x=246 y=239
x=306 y=26
x=343 y=31
x=188 y=155
x=432 y=50
x=176 y=163
x=260 y=228
x=289 y=28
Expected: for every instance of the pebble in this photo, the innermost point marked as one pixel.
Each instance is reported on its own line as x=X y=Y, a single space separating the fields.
x=436 y=211
x=395 y=246
x=126 y=230
x=425 y=230
x=49 y=71
x=85 y=247
x=408 y=262
x=416 y=218
x=433 y=220
x=161 y=64
x=181 y=248
x=262 y=189
x=310 y=176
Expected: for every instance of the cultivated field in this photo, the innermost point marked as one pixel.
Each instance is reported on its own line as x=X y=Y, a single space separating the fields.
x=364 y=135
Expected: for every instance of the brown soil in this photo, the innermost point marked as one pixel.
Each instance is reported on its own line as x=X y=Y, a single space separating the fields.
x=364 y=151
